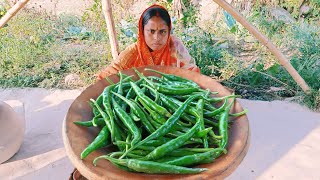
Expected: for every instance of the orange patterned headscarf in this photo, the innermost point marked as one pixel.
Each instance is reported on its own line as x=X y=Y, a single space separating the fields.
x=158 y=57
x=138 y=54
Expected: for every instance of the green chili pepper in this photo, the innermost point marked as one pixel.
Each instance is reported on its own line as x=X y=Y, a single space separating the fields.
x=131 y=94
x=190 y=110
x=223 y=125
x=179 y=84
x=120 y=90
x=208 y=99
x=180 y=153
x=135 y=108
x=203 y=133
x=172 y=144
x=169 y=89
x=161 y=110
x=109 y=124
x=157 y=142
x=197 y=150
x=155 y=92
x=99 y=121
x=117 y=154
x=109 y=80
x=209 y=107
x=174 y=89
x=125 y=77
x=94 y=109
x=155 y=116
x=139 y=152
x=107 y=106
x=211 y=122
x=175 y=134
x=188 y=151
x=120 y=130
x=165 y=128
x=171 y=105
x=217 y=111
x=199 y=109
x=239 y=113
x=172 y=77
x=157 y=79
x=125 y=86
x=143 y=77
x=128 y=122
x=100 y=141
x=124 y=167
x=177 y=142
x=151 y=167
x=218 y=99
x=134 y=116
x=194 y=158
x=207 y=160
x=155 y=124
x=143 y=147
x=100 y=100
x=128 y=141
x=213 y=135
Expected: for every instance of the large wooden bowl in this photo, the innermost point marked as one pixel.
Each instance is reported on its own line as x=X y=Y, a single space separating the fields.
x=76 y=138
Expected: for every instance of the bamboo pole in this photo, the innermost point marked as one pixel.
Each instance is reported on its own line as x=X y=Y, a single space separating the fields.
x=107 y=11
x=12 y=11
x=265 y=41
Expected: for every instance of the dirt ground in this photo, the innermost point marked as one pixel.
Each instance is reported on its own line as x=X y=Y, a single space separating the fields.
x=283 y=144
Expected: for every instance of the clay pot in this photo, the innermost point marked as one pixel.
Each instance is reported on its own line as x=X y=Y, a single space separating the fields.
x=11 y=131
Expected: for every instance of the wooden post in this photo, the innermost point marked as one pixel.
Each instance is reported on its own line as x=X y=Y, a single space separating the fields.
x=107 y=11
x=12 y=11
x=265 y=41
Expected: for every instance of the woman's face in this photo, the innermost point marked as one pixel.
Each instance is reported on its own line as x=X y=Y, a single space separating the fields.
x=156 y=33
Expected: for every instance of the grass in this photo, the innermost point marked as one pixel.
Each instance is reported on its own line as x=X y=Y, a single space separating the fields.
x=40 y=51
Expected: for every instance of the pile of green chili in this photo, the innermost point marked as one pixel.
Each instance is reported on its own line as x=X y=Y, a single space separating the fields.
x=160 y=125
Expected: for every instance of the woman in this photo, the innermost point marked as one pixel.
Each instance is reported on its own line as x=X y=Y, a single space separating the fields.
x=155 y=45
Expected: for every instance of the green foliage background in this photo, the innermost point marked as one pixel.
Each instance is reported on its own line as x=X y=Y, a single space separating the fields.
x=37 y=50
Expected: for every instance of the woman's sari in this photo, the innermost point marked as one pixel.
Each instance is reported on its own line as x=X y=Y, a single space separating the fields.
x=138 y=54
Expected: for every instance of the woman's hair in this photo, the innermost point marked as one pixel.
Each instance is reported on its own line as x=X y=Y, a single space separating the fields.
x=156 y=11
